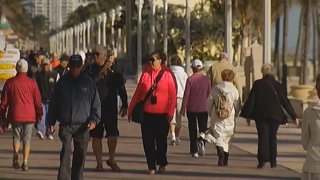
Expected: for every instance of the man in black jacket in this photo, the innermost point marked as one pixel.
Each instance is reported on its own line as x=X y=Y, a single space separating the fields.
x=76 y=105
x=110 y=84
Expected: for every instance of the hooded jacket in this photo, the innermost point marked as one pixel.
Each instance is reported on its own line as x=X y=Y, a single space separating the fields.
x=181 y=79
x=310 y=138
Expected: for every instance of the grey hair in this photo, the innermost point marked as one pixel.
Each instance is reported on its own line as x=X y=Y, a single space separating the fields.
x=223 y=55
x=100 y=49
x=267 y=69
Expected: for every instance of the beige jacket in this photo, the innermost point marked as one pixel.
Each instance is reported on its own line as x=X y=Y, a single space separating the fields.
x=310 y=138
x=214 y=73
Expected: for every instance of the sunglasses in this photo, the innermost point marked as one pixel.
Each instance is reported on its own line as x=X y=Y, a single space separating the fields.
x=153 y=59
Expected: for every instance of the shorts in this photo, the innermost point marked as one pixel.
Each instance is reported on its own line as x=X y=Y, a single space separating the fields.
x=108 y=124
x=177 y=116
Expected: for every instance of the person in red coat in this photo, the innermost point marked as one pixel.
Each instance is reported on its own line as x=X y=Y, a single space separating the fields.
x=158 y=112
x=21 y=106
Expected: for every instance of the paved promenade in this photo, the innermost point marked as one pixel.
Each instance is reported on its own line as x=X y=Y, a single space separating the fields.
x=44 y=157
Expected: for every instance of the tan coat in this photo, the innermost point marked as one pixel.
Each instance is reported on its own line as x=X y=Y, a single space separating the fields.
x=215 y=70
x=310 y=138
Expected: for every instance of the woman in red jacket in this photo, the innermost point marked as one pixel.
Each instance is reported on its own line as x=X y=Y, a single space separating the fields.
x=158 y=112
x=21 y=106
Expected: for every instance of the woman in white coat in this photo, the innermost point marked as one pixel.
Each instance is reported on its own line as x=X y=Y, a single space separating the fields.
x=222 y=126
x=310 y=138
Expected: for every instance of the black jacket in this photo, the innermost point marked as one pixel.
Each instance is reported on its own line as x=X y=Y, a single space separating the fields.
x=61 y=71
x=264 y=103
x=109 y=86
x=46 y=83
x=75 y=101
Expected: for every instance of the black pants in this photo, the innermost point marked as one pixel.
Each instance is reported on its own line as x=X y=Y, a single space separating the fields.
x=194 y=118
x=154 y=131
x=80 y=136
x=267 y=141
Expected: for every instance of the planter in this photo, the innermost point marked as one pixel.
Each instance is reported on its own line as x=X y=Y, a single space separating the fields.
x=301 y=91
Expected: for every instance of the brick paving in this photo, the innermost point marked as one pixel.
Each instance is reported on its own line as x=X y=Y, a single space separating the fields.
x=44 y=157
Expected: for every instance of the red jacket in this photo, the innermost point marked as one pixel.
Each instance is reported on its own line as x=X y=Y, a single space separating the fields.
x=165 y=92
x=21 y=98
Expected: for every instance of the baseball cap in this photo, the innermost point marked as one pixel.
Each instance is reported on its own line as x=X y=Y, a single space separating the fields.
x=22 y=65
x=75 y=60
x=196 y=64
x=45 y=61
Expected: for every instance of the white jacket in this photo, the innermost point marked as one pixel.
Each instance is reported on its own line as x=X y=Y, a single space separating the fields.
x=223 y=129
x=310 y=138
x=181 y=78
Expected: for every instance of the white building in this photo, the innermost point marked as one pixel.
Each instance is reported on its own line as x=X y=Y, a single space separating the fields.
x=57 y=11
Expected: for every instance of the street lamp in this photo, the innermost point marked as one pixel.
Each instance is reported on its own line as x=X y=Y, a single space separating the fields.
x=152 y=34
x=119 y=13
x=188 y=46
x=112 y=14
x=139 y=4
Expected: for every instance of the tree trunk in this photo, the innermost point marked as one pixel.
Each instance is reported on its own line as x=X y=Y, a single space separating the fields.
x=305 y=39
x=276 y=48
x=296 y=55
x=314 y=42
x=284 y=44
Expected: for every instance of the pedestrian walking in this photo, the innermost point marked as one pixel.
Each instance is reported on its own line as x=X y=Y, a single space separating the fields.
x=76 y=106
x=194 y=104
x=21 y=106
x=110 y=84
x=310 y=139
x=63 y=68
x=46 y=80
x=214 y=72
x=181 y=79
x=158 y=111
x=265 y=105
x=221 y=108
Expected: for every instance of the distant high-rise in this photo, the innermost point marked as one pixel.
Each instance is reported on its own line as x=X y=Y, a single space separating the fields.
x=56 y=11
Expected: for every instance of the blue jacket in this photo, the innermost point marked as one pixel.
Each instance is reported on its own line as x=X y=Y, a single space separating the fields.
x=74 y=101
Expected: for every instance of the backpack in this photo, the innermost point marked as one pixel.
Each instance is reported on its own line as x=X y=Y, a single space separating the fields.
x=222 y=105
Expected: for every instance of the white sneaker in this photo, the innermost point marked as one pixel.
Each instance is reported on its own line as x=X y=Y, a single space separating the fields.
x=195 y=155
x=173 y=142
x=40 y=135
x=50 y=137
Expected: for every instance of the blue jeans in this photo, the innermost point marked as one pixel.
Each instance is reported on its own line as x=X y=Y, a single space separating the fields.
x=41 y=126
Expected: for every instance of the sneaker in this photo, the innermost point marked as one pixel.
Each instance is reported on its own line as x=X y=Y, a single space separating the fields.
x=173 y=142
x=24 y=167
x=15 y=165
x=50 y=137
x=195 y=155
x=177 y=140
x=201 y=149
x=40 y=135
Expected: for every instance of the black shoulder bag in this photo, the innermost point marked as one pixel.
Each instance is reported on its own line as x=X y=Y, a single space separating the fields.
x=284 y=118
x=138 y=109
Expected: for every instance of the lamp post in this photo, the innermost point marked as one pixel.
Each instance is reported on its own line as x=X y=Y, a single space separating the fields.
x=99 y=20
x=165 y=26
x=139 y=4
x=104 y=21
x=112 y=15
x=228 y=28
x=152 y=34
x=267 y=32
x=119 y=13
x=187 y=28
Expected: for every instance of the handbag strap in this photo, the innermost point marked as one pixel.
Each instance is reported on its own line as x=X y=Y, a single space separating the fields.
x=154 y=85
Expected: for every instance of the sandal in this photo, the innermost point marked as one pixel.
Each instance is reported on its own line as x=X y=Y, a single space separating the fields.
x=114 y=166
x=98 y=169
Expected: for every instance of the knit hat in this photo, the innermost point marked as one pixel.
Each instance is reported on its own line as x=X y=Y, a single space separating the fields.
x=22 y=66
x=75 y=61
